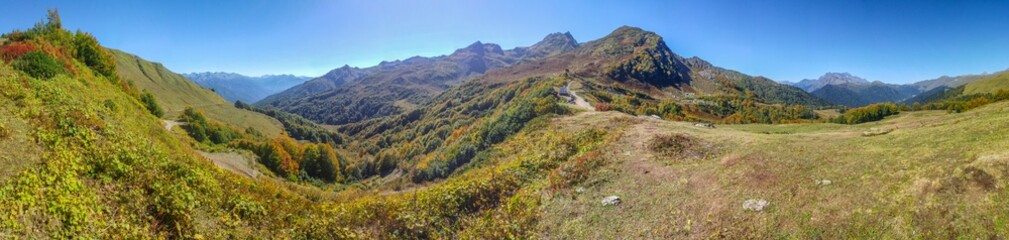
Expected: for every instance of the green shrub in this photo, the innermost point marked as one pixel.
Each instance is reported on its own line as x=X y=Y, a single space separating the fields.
x=94 y=55
x=196 y=124
x=151 y=104
x=110 y=105
x=874 y=112
x=38 y=64
x=203 y=130
x=321 y=162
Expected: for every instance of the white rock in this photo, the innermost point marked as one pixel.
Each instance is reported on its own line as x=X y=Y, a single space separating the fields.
x=755 y=205
x=579 y=190
x=611 y=200
x=824 y=182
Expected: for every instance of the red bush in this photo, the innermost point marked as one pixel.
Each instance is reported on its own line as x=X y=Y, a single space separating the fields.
x=602 y=107
x=15 y=50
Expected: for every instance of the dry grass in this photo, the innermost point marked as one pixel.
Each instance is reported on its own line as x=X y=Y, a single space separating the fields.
x=934 y=175
x=236 y=162
x=680 y=147
x=17 y=151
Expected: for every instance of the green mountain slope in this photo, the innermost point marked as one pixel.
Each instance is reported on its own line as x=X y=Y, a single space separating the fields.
x=97 y=164
x=989 y=84
x=175 y=92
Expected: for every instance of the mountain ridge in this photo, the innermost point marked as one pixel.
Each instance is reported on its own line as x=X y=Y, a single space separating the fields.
x=234 y=87
x=853 y=91
x=392 y=86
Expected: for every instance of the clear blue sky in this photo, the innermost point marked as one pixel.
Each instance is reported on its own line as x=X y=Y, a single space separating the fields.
x=892 y=41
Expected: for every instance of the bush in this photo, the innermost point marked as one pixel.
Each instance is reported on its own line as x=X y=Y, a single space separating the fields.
x=321 y=162
x=94 y=55
x=874 y=112
x=13 y=51
x=202 y=130
x=151 y=104
x=39 y=65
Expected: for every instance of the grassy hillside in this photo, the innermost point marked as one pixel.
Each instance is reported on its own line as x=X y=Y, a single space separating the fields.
x=92 y=162
x=989 y=84
x=174 y=93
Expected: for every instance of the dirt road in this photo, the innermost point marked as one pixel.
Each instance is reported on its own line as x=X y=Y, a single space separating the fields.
x=232 y=161
x=579 y=101
x=169 y=124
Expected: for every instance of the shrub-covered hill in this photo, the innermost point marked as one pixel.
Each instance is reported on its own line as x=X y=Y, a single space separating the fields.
x=85 y=156
x=175 y=92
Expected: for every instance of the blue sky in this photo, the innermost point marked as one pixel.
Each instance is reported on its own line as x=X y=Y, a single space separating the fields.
x=891 y=41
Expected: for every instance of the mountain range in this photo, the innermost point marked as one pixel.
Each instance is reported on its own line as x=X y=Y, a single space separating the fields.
x=234 y=87
x=349 y=94
x=853 y=91
x=629 y=57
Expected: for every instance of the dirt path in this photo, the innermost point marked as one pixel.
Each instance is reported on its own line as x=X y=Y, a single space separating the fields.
x=232 y=161
x=169 y=124
x=579 y=101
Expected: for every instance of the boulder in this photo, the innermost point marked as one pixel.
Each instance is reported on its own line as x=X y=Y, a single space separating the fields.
x=755 y=205
x=704 y=125
x=611 y=200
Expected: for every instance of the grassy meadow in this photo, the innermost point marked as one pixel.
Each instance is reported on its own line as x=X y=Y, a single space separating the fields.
x=933 y=175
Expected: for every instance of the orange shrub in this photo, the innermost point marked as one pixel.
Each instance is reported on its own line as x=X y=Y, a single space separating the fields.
x=15 y=50
x=602 y=107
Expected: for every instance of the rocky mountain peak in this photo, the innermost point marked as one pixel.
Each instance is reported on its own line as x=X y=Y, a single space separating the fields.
x=556 y=42
x=625 y=40
x=834 y=78
x=480 y=49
